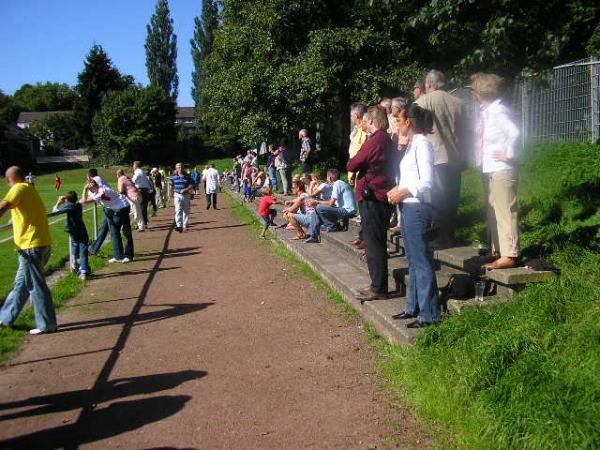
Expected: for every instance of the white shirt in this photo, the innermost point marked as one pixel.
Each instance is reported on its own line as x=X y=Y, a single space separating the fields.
x=499 y=134
x=109 y=199
x=140 y=180
x=416 y=170
x=211 y=176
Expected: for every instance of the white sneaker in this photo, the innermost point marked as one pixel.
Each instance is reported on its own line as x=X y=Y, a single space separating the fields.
x=38 y=331
x=115 y=260
x=125 y=260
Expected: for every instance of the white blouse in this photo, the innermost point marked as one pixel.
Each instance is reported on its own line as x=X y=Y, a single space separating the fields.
x=499 y=134
x=416 y=170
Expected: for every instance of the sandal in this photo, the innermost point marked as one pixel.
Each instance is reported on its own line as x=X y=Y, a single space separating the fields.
x=298 y=238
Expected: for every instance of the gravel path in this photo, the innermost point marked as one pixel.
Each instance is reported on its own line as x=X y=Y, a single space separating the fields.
x=207 y=341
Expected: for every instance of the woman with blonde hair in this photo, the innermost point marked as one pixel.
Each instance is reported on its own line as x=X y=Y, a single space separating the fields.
x=496 y=151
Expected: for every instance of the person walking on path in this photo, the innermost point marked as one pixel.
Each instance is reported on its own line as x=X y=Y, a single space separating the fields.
x=211 y=186
x=182 y=187
x=31 y=235
x=77 y=231
x=372 y=183
x=142 y=183
x=117 y=215
x=158 y=179
x=305 y=151
x=196 y=178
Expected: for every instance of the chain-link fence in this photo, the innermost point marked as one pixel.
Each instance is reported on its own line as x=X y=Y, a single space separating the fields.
x=562 y=106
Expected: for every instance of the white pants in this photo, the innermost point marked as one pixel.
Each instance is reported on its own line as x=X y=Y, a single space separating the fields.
x=182 y=209
x=135 y=209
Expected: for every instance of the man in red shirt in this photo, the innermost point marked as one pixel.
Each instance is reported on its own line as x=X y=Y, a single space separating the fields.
x=372 y=162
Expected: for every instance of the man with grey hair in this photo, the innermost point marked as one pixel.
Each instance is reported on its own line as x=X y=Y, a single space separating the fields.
x=182 y=187
x=449 y=139
x=305 y=151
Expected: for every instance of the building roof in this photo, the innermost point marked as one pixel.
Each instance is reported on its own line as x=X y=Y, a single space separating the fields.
x=29 y=117
x=185 y=111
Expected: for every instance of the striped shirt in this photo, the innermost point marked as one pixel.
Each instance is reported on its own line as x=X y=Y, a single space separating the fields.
x=180 y=182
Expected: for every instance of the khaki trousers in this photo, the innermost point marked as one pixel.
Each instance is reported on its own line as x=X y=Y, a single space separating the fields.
x=502 y=220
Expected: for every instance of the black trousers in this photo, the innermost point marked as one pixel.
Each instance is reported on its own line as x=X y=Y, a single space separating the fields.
x=375 y=218
x=145 y=200
x=211 y=199
x=446 y=194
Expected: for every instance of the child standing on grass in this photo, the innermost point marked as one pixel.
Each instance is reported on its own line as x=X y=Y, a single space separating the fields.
x=76 y=228
x=57 y=182
x=266 y=212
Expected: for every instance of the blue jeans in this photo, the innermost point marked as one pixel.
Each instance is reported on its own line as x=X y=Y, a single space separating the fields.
x=30 y=281
x=102 y=232
x=423 y=300
x=119 y=221
x=79 y=250
x=328 y=216
x=273 y=177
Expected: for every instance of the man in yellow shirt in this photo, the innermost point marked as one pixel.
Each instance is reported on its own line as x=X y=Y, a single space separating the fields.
x=32 y=239
x=358 y=136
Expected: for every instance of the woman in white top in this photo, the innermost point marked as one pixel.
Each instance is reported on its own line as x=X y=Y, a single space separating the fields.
x=496 y=151
x=413 y=193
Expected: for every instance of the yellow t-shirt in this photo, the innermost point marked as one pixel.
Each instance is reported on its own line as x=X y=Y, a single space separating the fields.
x=29 y=219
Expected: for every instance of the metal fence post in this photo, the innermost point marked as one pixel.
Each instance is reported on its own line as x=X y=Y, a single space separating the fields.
x=595 y=100
x=95 y=215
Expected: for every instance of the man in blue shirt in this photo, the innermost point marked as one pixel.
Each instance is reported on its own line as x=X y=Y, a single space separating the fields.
x=328 y=213
x=182 y=186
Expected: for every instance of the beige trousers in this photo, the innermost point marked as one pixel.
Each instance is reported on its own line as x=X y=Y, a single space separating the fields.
x=502 y=219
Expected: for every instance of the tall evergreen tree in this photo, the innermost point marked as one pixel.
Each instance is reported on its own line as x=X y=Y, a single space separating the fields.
x=98 y=77
x=161 y=50
x=202 y=44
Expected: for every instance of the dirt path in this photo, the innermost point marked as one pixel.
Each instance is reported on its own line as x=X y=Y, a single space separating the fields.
x=206 y=341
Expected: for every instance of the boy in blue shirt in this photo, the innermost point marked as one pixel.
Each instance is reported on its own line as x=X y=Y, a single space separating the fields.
x=77 y=231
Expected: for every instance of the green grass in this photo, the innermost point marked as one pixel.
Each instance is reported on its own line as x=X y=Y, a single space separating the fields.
x=522 y=375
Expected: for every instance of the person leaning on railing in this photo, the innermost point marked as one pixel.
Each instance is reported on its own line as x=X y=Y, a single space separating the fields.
x=496 y=151
x=31 y=235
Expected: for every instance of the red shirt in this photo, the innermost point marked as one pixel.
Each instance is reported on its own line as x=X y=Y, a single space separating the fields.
x=373 y=163
x=264 y=205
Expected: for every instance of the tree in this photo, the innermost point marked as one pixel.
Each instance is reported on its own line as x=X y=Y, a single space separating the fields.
x=45 y=97
x=8 y=112
x=137 y=123
x=202 y=44
x=161 y=50
x=57 y=131
x=98 y=77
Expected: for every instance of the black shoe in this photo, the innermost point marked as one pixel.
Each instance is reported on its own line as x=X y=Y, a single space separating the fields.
x=418 y=324
x=403 y=316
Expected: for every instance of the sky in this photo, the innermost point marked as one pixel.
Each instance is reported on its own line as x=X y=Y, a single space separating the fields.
x=47 y=40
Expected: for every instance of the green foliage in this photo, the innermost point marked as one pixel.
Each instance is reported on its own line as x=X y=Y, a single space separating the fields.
x=137 y=123
x=518 y=375
x=593 y=46
x=57 y=131
x=98 y=77
x=8 y=111
x=466 y=36
x=202 y=44
x=45 y=97
x=161 y=50
x=277 y=66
